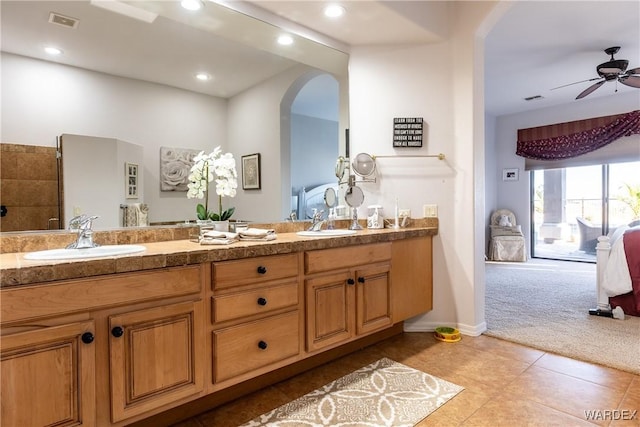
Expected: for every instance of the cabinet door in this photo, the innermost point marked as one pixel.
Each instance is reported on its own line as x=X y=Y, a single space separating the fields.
x=330 y=309
x=48 y=377
x=411 y=277
x=156 y=357
x=373 y=299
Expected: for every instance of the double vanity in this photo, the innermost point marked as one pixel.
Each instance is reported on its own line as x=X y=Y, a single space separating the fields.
x=151 y=337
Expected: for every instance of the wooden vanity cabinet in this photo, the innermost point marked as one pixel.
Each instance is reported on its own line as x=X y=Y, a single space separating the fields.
x=255 y=316
x=412 y=277
x=156 y=357
x=48 y=376
x=347 y=293
x=63 y=365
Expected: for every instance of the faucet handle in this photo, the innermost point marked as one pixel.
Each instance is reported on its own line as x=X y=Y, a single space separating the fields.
x=82 y=222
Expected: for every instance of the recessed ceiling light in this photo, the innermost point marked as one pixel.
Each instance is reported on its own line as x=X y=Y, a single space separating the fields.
x=285 y=40
x=52 y=50
x=334 y=11
x=203 y=76
x=191 y=4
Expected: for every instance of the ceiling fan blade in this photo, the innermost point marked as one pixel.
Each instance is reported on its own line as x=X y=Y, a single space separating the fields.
x=590 y=89
x=633 y=71
x=575 y=83
x=632 y=81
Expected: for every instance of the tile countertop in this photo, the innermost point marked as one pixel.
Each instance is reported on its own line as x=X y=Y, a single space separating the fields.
x=16 y=271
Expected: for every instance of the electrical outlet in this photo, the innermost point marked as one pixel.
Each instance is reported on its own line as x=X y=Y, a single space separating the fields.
x=404 y=213
x=430 y=211
x=77 y=210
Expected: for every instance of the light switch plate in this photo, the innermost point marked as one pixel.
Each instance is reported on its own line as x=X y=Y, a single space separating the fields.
x=430 y=211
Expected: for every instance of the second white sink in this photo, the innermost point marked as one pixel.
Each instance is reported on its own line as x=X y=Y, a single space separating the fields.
x=100 y=251
x=326 y=233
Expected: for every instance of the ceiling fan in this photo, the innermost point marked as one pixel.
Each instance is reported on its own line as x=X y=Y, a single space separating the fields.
x=614 y=69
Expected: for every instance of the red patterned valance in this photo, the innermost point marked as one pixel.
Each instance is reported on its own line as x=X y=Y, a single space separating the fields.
x=567 y=140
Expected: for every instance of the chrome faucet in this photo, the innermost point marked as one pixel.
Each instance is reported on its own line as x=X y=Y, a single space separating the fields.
x=82 y=224
x=316 y=221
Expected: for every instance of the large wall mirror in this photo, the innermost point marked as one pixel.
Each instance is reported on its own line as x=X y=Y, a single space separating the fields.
x=129 y=76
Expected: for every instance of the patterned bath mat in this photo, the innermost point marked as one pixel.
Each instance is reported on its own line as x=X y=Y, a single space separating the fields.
x=384 y=393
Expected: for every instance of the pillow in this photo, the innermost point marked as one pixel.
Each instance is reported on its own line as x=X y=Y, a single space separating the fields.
x=497 y=230
x=504 y=221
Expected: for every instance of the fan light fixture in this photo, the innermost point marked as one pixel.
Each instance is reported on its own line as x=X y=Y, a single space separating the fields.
x=612 y=70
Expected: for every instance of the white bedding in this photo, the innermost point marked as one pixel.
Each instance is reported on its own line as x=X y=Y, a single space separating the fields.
x=616 y=279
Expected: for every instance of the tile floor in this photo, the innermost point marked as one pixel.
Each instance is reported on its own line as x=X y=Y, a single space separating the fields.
x=506 y=384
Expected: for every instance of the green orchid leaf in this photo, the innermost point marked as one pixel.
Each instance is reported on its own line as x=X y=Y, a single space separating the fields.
x=227 y=214
x=201 y=212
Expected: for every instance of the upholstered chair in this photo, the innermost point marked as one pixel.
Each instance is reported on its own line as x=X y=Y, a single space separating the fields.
x=507 y=242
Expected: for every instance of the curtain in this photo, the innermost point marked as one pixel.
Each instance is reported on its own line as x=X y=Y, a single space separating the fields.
x=572 y=139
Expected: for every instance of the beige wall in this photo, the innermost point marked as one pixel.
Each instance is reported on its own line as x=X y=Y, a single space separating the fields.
x=443 y=83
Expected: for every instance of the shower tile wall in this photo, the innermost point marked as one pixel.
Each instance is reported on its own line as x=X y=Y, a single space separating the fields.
x=29 y=189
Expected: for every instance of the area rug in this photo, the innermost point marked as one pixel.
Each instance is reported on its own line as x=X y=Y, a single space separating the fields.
x=545 y=305
x=384 y=393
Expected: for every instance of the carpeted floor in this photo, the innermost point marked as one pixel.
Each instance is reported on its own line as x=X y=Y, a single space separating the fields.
x=384 y=393
x=544 y=304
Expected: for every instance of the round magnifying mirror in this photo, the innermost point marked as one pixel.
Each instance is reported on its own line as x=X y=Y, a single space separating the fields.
x=330 y=198
x=354 y=196
x=364 y=165
x=341 y=165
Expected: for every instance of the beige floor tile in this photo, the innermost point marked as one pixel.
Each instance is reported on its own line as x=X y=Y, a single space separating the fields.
x=564 y=393
x=629 y=409
x=508 y=411
x=506 y=384
x=602 y=375
x=504 y=348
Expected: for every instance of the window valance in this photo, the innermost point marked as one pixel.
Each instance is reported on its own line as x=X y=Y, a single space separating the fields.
x=572 y=139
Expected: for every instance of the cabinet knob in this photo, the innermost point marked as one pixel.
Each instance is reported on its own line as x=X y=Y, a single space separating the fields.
x=350 y=281
x=361 y=279
x=262 y=345
x=117 y=331
x=262 y=269
x=87 y=338
x=262 y=301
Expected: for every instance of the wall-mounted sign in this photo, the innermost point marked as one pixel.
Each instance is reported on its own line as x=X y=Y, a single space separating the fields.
x=407 y=132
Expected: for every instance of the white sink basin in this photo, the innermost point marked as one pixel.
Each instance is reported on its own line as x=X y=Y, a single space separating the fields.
x=326 y=233
x=100 y=251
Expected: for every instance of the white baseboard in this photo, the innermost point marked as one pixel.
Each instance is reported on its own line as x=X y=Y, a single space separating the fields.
x=424 y=326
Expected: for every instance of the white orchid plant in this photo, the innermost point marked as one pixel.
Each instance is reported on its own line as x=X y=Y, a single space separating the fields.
x=206 y=168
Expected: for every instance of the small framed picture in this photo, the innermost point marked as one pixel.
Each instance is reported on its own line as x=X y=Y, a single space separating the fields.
x=131 y=180
x=251 y=172
x=510 y=174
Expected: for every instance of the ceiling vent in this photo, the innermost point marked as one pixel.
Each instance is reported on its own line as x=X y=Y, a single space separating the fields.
x=65 y=21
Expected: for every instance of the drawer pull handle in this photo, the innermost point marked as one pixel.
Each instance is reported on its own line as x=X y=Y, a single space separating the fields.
x=351 y=281
x=87 y=338
x=361 y=279
x=262 y=269
x=262 y=345
x=117 y=331
x=262 y=301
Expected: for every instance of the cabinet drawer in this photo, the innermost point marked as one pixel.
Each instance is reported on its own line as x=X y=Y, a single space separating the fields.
x=251 y=270
x=350 y=256
x=253 y=345
x=255 y=301
x=81 y=295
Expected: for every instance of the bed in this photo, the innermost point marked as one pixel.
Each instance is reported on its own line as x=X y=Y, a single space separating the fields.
x=310 y=199
x=618 y=270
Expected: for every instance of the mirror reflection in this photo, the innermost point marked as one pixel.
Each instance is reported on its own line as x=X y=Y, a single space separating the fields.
x=125 y=79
